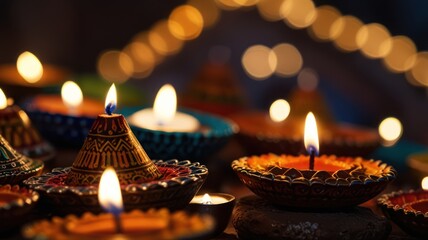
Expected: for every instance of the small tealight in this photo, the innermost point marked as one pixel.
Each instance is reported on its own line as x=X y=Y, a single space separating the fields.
x=218 y=205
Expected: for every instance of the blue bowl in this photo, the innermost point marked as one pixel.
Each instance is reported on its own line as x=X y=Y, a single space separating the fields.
x=194 y=146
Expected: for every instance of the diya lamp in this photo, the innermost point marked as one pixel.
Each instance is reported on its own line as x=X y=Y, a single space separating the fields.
x=408 y=209
x=29 y=75
x=15 y=203
x=217 y=205
x=167 y=133
x=17 y=129
x=145 y=183
x=260 y=132
x=312 y=182
x=153 y=224
x=64 y=119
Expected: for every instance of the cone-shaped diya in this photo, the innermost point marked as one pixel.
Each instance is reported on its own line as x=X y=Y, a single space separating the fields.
x=14 y=166
x=309 y=182
x=16 y=128
x=144 y=183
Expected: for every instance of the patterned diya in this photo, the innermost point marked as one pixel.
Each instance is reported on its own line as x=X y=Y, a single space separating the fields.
x=409 y=210
x=152 y=224
x=259 y=134
x=334 y=182
x=15 y=202
x=17 y=129
x=145 y=183
x=14 y=166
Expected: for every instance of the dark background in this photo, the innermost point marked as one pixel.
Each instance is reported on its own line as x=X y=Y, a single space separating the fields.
x=359 y=90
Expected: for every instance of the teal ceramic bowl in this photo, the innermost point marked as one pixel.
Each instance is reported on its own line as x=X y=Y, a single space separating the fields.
x=194 y=146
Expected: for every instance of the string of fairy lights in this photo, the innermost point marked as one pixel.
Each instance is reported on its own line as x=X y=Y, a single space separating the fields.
x=323 y=23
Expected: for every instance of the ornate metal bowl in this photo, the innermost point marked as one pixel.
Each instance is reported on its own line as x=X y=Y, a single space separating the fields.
x=356 y=181
x=404 y=209
x=214 y=134
x=179 y=183
x=17 y=202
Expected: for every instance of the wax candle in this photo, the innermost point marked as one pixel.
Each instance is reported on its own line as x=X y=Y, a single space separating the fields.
x=163 y=116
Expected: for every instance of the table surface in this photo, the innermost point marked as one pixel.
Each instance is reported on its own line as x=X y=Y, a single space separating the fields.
x=221 y=178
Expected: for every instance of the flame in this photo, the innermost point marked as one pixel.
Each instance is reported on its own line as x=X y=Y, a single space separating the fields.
x=71 y=94
x=111 y=99
x=3 y=100
x=424 y=183
x=29 y=67
x=279 y=110
x=206 y=199
x=390 y=129
x=311 y=133
x=165 y=104
x=109 y=194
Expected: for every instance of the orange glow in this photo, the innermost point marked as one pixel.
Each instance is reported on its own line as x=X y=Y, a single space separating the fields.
x=270 y=9
x=307 y=80
x=209 y=11
x=143 y=38
x=3 y=100
x=320 y=28
x=419 y=72
x=143 y=58
x=344 y=32
x=71 y=94
x=259 y=62
x=227 y=4
x=162 y=40
x=289 y=59
x=424 y=183
x=29 y=67
x=390 y=129
x=402 y=55
x=185 y=22
x=115 y=66
x=374 y=40
x=298 y=13
x=279 y=110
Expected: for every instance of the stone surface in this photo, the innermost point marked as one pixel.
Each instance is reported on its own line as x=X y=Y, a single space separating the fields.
x=254 y=218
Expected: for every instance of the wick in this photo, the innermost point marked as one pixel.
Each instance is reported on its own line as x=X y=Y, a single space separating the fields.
x=118 y=223
x=110 y=108
x=207 y=202
x=312 y=159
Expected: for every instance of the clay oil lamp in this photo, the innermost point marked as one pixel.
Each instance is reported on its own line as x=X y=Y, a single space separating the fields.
x=64 y=119
x=312 y=182
x=116 y=224
x=217 y=205
x=15 y=203
x=167 y=133
x=408 y=209
x=280 y=131
x=18 y=130
x=29 y=76
x=144 y=183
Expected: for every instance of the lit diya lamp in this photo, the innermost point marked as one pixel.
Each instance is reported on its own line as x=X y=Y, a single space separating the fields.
x=153 y=224
x=15 y=203
x=17 y=129
x=29 y=75
x=311 y=182
x=64 y=119
x=167 y=133
x=217 y=205
x=281 y=130
x=408 y=209
x=145 y=183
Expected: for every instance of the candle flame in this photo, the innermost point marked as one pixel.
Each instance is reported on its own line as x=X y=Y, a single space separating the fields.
x=109 y=194
x=311 y=134
x=111 y=100
x=3 y=100
x=279 y=110
x=29 y=67
x=424 y=183
x=165 y=104
x=390 y=129
x=71 y=94
x=206 y=199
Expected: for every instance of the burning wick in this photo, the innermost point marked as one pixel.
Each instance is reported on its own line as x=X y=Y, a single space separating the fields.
x=111 y=99
x=311 y=138
x=206 y=199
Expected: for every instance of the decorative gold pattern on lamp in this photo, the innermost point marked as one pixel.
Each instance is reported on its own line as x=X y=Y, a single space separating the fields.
x=110 y=142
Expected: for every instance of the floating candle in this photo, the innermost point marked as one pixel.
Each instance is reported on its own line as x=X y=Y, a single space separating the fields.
x=163 y=116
